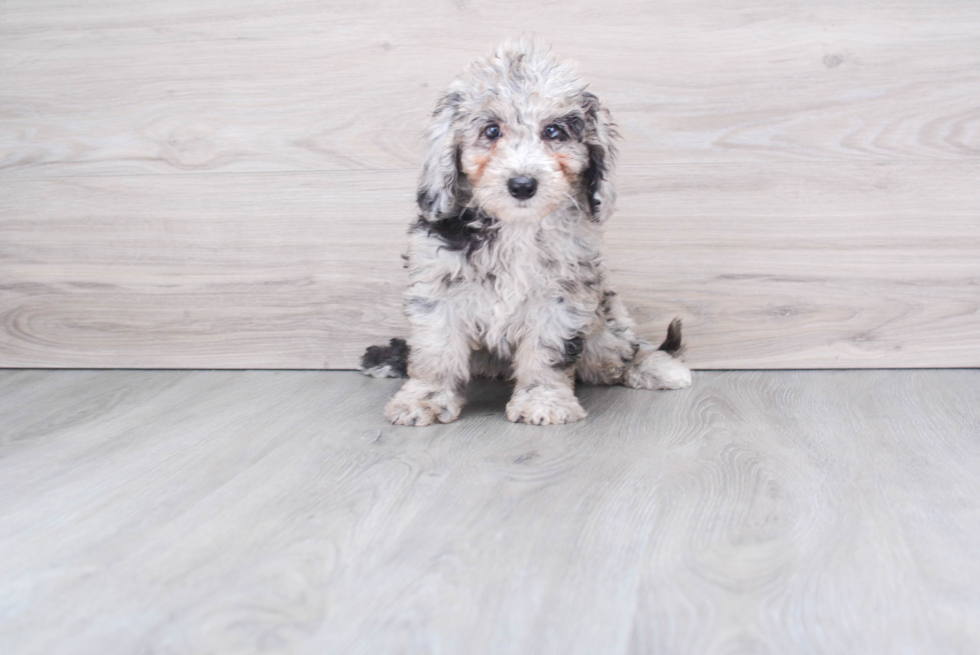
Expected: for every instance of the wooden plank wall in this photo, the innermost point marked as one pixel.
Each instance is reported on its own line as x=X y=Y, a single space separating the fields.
x=226 y=183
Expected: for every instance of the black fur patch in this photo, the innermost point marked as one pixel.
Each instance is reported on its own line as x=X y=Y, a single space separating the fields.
x=573 y=350
x=573 y=124
x=395 y=355
x=448 y=281
x=590 y=103
x=605 y=303
x=569 y=286
x=426 y=200
x=672 y=345
x=466 y=232
x=594 y=176
x=448 y=101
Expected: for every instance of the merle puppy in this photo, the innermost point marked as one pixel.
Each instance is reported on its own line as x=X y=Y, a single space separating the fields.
x=505 y=262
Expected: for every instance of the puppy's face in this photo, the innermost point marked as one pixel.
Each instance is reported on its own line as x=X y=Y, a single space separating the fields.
x=524 y=156
x=518 y=136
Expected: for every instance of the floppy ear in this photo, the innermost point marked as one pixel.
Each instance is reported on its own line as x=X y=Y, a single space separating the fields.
x=599 y=135
x=437 y=194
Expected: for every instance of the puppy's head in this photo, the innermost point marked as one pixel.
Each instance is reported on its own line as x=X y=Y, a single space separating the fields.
x=518 y=136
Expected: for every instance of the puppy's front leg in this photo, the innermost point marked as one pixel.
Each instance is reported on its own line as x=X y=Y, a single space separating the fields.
x=545 y=389
x=438 y=370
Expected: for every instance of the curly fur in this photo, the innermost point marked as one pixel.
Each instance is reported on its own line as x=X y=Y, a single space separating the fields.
x=506 y=283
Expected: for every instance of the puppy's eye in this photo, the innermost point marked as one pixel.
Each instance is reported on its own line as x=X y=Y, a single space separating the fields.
x=553 y=133
x=492 y=132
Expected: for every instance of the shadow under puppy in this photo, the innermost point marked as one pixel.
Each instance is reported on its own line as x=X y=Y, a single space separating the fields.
x=506 y=275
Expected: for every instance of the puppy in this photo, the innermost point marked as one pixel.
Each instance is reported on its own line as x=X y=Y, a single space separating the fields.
x=506 y=275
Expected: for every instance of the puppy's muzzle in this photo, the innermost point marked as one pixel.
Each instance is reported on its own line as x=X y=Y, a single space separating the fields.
x=522 y=187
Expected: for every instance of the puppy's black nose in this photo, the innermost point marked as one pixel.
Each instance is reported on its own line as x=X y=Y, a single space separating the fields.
x=522 y=187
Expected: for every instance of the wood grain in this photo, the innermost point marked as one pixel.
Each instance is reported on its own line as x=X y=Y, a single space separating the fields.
x=775 y=512
x=304 y=270
x=115 y=88
x=226 y=184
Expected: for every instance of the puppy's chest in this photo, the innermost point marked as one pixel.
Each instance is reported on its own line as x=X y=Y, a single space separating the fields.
x=511 y=283
x=520 y=271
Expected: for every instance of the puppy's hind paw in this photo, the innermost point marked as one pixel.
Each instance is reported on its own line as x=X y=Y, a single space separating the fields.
x=421 y=405
x=539 y=405
x=657 y=370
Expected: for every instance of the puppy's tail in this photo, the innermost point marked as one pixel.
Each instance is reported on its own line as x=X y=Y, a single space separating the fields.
x=673 y=345
x=389 y=361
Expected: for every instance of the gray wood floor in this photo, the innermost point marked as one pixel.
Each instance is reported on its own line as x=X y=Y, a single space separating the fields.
x=236 y=512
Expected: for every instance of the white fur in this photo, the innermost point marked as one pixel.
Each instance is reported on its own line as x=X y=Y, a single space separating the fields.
x=527 y=287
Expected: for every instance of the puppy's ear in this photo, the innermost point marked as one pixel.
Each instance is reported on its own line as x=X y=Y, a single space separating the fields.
x=437 y=194
x=599 y=135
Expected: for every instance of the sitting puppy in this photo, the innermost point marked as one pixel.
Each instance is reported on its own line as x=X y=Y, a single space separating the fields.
x=505 y=265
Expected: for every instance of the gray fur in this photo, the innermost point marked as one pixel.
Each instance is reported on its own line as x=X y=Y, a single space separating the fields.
x=500 y=285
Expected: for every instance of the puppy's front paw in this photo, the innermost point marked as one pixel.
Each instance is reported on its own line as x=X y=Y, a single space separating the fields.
x=422 y=404
x=657 y=370
x=540 y=405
